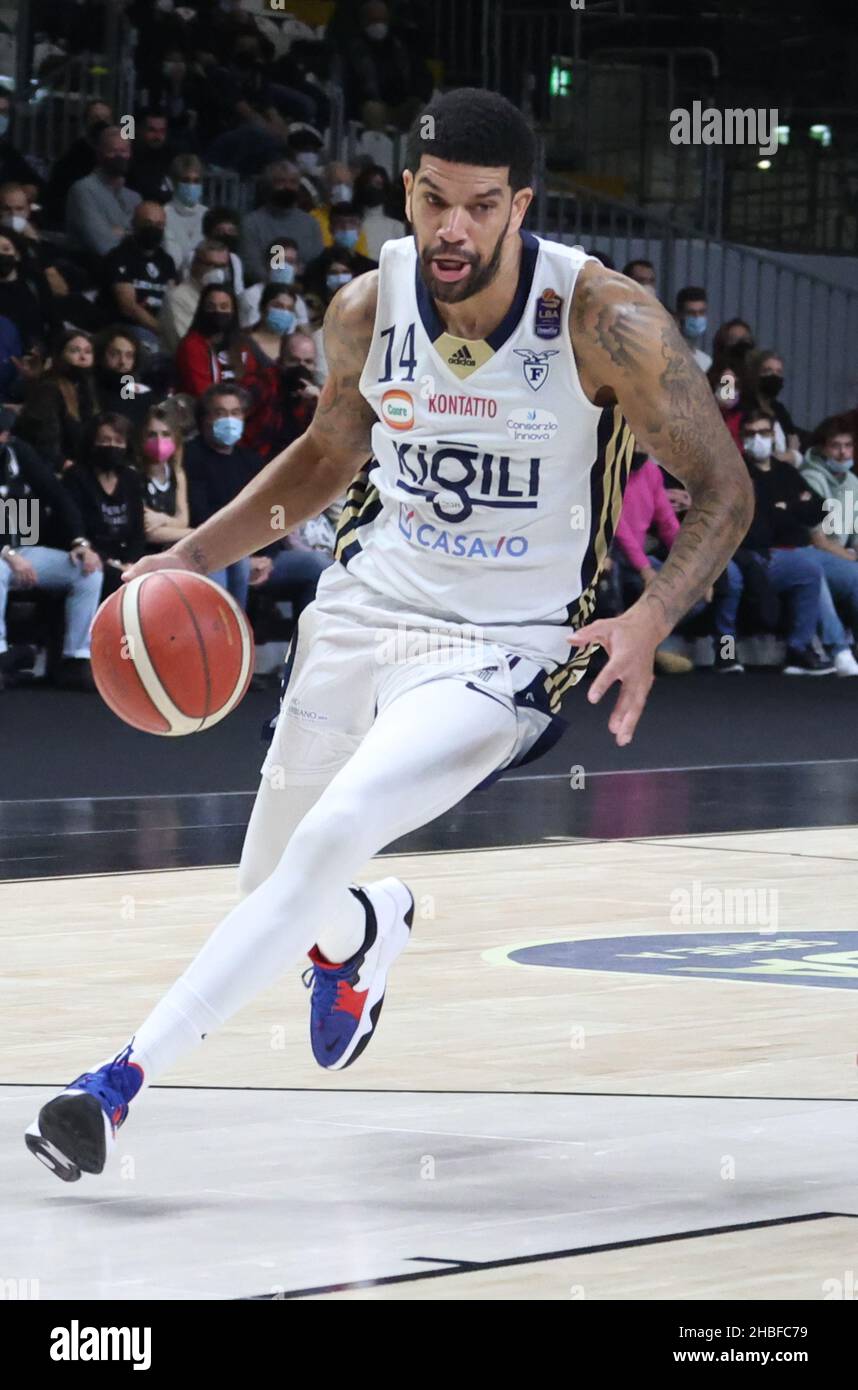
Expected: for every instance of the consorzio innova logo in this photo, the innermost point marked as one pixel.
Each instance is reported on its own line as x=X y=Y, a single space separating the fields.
x=826 y=959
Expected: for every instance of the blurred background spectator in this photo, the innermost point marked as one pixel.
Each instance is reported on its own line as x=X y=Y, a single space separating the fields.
x=218 y=466
x=762 y=383
x=100 y=206
x=185 y=212
x=275 y=218
x=60 y=404
x=159 y=456
x=693 y=322
x=137 y=275
x=386 y=77
x=210 y=266
x=62 y=559
x=152 y=157
x=108 y=493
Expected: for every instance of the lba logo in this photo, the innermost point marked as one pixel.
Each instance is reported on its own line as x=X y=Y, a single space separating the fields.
x=397 y=410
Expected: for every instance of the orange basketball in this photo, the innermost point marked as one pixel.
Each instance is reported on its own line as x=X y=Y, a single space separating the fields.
x=172 y=652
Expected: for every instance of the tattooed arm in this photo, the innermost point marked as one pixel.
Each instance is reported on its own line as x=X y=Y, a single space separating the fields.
x=629 y=351
x=314 y=470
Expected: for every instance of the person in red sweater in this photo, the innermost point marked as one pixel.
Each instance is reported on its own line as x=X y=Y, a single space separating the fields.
x=646 y=507
x=727 y=387
x=214 y=349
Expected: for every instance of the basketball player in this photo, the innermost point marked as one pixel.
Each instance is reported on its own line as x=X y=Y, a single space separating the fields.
x=485 y=392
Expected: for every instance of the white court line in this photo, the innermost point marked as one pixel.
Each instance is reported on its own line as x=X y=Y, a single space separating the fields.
x=525 y=777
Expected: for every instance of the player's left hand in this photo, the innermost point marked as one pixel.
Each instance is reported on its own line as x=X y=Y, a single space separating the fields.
x=630 y=643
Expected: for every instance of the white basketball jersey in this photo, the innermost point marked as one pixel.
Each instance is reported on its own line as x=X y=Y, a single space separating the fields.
x=495 y=484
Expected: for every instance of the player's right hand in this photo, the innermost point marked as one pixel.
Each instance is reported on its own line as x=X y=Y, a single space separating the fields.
x=167 y=560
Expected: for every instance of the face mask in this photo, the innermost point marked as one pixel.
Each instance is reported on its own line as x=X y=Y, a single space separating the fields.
x=150 y=238
x=228 y=431
x=214 y=321
x=159 y=447
x=373 y=197
x=694 y=325
x=347 y=238
x=214 y=277
x=743 y=346
x=756 y=446
x=7 y=265
x=75 y=373
x=16 y=222
x=771 y=385
x=281 y=320
x=164 y=5
x=308 y=160
x=341 y=193
x=4 y=125
x=376 y=32
x=336 y=282
x=106 y=458
x=189 y=193
x=230 y=242
x=283 y=197
x=116 y=166
x=841 y=466
x=282 y=274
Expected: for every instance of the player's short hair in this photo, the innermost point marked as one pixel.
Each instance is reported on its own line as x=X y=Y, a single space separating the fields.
x=689 y=295
x=472 y=126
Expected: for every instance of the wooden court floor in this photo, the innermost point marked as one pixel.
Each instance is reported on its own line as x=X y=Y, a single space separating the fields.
x=652 y=1012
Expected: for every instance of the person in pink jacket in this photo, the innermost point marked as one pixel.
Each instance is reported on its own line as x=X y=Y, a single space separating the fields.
x=646 y=507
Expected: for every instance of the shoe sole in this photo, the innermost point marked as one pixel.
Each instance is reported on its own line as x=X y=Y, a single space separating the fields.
x=800 y=671
x=393 y=943
x=70 y=1136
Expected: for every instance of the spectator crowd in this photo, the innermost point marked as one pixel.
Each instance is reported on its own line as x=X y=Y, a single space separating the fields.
x=156 y=351
x=796 y=572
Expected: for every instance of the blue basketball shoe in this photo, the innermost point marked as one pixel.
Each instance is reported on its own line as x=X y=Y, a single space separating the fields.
x=347 y=998
x=76 y=1131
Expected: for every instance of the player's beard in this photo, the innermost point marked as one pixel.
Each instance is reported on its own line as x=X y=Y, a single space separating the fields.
x=481 y=276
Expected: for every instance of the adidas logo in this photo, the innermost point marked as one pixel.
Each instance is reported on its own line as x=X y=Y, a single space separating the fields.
x=486 y=672
x=461 y=358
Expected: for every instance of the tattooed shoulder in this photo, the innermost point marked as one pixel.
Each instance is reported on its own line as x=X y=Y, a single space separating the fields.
x=343 y=419
x=350 y=319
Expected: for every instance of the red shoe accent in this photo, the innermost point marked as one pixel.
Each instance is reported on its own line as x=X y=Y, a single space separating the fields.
x=349 y=1000
x=318 y=959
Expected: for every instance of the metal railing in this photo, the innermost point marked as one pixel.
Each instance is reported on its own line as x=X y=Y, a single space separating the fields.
x=809 y=321
x=46 y=125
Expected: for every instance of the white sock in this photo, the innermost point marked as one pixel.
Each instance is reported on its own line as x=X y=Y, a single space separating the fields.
x=175 y=1026
x=339 y=941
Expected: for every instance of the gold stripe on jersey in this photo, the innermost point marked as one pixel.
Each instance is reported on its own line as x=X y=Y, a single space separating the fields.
x=463 y=355
x=612 y=461
x=362 y=505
